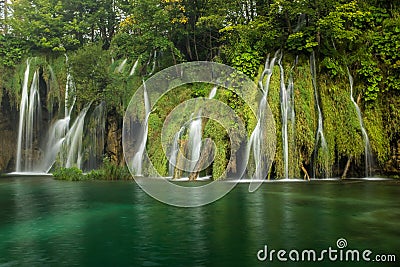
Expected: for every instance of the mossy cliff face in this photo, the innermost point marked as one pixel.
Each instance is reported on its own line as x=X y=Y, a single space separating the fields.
x=341 y=125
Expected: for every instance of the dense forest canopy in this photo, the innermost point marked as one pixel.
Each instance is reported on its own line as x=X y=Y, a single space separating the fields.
x=360 y=36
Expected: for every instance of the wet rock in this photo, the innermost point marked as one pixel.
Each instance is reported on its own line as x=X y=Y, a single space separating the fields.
x=8 y=134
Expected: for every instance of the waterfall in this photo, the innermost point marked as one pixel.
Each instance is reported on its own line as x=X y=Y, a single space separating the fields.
x=154 y=62
x=195 y=134
x=288 y=114
x=37 y=153
x=134 y=67
x=71 y=151
x=320 y=130
x=69 y=88
x=256 y=141
x=121 y=66
x=367 y=146
x=22 y=113
x=257 y=136
x=29 y=122
x=137 y=161
x=55 y=139
x=67 y=142
x=194 y=141
x=59 y=129
x=268 y=69
x=213 y=92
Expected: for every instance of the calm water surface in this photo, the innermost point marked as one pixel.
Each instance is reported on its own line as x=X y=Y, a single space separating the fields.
x=44 y=222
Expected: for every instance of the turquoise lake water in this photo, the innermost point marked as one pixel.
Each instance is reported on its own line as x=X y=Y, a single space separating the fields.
x=44 y=222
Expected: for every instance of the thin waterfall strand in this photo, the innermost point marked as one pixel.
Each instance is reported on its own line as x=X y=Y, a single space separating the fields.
x=134 y=67
x=72 y=145
x=320 y=130
x=256 y=141
x=22 y=114
x=137 y=162
x=29 y=122
x=367 y=146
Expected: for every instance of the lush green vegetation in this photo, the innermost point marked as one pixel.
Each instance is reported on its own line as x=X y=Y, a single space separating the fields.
x=363 y=36
x=107 y=171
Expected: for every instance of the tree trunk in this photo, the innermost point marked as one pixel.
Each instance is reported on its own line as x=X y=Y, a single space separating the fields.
x=305 y=173
x=195 y=45
x=188 y=49
x=211 y=48
x=346 y=169
x=173 y=56
x=288 y=22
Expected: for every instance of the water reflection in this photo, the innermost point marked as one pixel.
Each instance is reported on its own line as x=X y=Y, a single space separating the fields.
x=47 y=222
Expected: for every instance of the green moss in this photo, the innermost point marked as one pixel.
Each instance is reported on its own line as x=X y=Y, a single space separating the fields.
x=303 y=137
x=306 y=117
x=69 y=174
x=274 y=103
x=217 y=133
x=377 y=130
x=342 y=126
x=154 y=146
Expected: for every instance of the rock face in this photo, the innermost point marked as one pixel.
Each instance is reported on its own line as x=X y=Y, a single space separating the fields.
x=8 y=134
x=114 y=138
x=395 y=157
x=398 y=156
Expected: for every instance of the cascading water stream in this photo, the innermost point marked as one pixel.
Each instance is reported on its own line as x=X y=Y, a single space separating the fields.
x=137 y=162
x=22 y=114
x=59 y=137
x=367 y=146
x=72 y=145
x=55 y=139
x=121 y=66
x=288 y=114
x=154 y=62
x=257 y=137
x=69 y=88
x=29 y=120
x=320 y=130
x=194 y=141
x=37 y=153
x=134 y=67
x=34 y=118
x=213 y=92
x=59 y=130
x=195 y=134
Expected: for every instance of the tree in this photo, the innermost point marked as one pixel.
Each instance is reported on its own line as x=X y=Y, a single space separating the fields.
x=150 y=34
